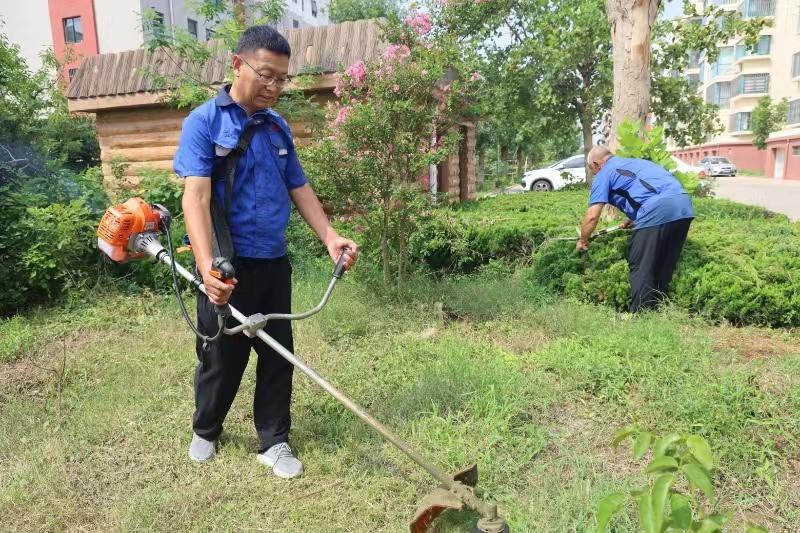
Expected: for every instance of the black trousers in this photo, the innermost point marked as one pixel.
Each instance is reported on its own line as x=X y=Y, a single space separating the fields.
x=264 y=286
x=652 y=256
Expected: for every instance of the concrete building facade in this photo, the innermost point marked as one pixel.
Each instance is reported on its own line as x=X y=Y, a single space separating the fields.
x=76 y=29
x=740 y=76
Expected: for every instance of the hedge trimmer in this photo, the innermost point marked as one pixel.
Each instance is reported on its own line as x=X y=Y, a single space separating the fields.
x=598 y=233
x=130 y=231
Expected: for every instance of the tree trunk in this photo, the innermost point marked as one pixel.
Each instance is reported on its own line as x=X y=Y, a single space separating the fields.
x=481 y=171
x=239 y=13
x=520 y=164
x=586 y=130
x=631 y=28
x=387 y=271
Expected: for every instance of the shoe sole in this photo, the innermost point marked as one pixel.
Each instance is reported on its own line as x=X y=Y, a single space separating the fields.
x=198 y=460
x=266 y=462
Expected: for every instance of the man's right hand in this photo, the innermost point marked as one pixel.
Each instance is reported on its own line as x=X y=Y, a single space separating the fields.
x=218 y=292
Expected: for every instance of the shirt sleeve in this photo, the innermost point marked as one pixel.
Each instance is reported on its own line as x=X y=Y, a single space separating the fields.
x=295 y=176
x=195 y=155
x=600 y=185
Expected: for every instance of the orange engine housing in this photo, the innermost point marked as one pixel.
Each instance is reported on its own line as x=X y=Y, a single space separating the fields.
x=120 y=223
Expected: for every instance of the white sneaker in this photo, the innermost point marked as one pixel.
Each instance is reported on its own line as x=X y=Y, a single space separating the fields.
x=202 y=450
x=282 y=461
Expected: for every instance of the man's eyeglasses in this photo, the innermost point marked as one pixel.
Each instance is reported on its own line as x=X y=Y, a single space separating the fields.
x=267 y=81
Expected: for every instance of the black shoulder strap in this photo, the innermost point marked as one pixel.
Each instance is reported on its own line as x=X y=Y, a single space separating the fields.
x=232 y=160
x=221 y=242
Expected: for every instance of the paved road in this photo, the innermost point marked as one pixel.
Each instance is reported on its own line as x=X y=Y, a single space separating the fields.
x=781 y=196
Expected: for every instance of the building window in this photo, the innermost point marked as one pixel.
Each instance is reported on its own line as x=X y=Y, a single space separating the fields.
x=694 y=80
x=719 y=94
x=73 y=30
x=71 y=73
x=724 y=63
x=796 y=65
x=761 y=48
x=191 y=25
x=740 y=121
x=702 y=74
x=210 y=34
x=694 y=59
x=751 y=84
x=314 y=8
x=302 y=6
x=758 y=8
x=793 y=114
x=295 y=23
x=796 y=149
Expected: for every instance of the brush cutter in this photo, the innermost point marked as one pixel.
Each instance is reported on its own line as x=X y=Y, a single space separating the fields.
x=130 y=231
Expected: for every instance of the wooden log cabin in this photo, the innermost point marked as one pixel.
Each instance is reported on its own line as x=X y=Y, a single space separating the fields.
x=139 y=130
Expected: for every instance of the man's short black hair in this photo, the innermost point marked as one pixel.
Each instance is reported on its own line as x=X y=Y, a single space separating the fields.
x=266 y=37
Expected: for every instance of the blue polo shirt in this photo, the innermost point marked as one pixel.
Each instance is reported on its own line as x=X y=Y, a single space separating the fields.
x=260 y=207
x=645 y=191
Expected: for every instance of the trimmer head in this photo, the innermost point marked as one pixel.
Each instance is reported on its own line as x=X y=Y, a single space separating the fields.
x=441 y=499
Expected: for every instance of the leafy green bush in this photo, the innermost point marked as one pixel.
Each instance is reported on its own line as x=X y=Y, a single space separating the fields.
x=738 y=264
x=677 y=461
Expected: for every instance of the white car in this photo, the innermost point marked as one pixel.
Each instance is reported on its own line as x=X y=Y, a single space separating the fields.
x=556 y=176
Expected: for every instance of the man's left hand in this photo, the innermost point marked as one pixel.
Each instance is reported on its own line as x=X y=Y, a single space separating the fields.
x=339 y=245
x=582 y=245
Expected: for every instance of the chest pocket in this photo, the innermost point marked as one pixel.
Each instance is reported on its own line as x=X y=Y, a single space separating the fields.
x=280 y=151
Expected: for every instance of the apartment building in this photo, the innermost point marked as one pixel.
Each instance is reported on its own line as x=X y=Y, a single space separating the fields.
x=75 y=29
x=742 y=75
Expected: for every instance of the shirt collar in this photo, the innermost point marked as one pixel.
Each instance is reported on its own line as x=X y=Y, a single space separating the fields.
x=224 y=99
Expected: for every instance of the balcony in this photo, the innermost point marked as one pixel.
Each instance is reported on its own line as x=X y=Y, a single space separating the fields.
x=760 y=51
x=750 y=86
x=726 y=4
x=758 y=8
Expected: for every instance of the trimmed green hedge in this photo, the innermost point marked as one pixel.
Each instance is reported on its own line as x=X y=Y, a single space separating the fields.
x=740 y=263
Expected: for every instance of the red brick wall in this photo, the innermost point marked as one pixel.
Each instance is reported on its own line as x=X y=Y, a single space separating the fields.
x=747 y=157
x=62 y=9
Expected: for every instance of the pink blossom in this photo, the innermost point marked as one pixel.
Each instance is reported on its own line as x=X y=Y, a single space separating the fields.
x=396 y=88
x=357 y=71
x=476 y=76
x=446 y=88
x=341 y=116
x=339 y=86
x=419 y=22
x=396 y=51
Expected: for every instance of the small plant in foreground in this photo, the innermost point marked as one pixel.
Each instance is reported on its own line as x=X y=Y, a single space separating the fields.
x=677 y=459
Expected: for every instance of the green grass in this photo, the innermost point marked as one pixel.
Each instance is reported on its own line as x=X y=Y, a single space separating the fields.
x=486 y=368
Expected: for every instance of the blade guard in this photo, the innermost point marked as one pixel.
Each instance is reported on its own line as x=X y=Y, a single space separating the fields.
x=440 y=500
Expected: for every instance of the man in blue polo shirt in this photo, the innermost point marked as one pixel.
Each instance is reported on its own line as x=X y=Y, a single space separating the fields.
x=268 y=179
x=657 y=207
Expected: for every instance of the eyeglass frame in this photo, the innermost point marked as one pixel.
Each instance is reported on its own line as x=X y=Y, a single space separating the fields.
x=265 y=80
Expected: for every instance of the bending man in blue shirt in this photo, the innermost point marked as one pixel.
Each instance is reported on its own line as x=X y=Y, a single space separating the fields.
x=268 y=179
x=657 y=207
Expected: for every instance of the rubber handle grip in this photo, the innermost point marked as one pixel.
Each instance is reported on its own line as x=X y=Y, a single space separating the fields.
x=338 y=272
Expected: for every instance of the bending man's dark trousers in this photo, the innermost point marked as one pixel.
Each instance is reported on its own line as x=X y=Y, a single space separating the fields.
x=264 y=286
x=652 y=256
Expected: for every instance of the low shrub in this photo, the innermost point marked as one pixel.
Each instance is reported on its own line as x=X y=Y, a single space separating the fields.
x=739 y=263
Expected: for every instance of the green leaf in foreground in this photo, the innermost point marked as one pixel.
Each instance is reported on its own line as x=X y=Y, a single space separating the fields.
x=642 y=444
x=699 y=477
x=607 y=508
x=701 y=451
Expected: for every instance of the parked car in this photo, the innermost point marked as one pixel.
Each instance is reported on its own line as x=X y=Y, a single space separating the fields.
x=718 y=166
x=556 y=176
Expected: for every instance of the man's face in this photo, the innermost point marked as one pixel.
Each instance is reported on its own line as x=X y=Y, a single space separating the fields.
x=259 y=77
